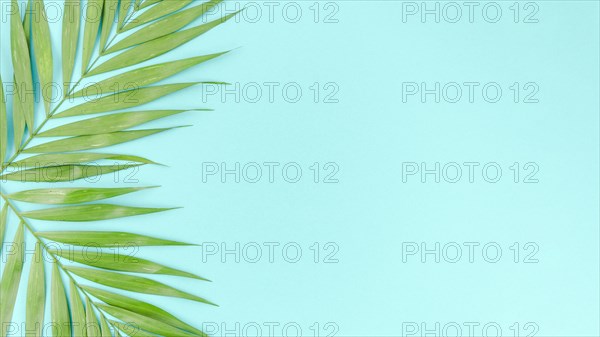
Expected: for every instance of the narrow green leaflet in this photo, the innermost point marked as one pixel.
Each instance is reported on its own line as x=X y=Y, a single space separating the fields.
x=108 y=18
x=3 y=124
x=59 y=308
x=119 y=262
x=140 y=307
x=22 y=66
x=3 y=221
x=143 y=322
x=63 y=196
x=27 y=21
x=42 y=47
x=142 y=77
x=11 y=276
x=94 y=212
x=92 y=142
x=104 y=328
x=156 y=47
x=19 y=121
x=77 y=311
x=62 y=173
x=109 y=123
x=93 y=15
x=70 y=36
x=93 y=327
x=36 y=293
x=124 y=100
x=148 y=3
x=132 y=283
x=163 y=27
x=158 y=11
x=107 y=239
x=124 y=7
x=57 y=159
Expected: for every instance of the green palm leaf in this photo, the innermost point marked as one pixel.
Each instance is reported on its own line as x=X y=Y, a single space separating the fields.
x=61 y=196
x=3 y=125
x=161 y=28
x=36 y=293
x=90 y=30
x=121 y=101
x=58 y=159
x=133 y=283
x=78 y=314
x=143 y=322
x=94 y=212
x=107 y=239
x=156 y=47
x=107 y=124
x=59 y=307
x=70 y=33
x=117 y=262
x=63 y=173
x=11 y=276
x=92 y=142
x=43 y=51
x=140 y=307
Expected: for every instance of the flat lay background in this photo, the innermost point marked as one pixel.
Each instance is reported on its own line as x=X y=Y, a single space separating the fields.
x=325 y=253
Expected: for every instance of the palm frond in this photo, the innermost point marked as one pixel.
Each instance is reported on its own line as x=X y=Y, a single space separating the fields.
x=154 y=28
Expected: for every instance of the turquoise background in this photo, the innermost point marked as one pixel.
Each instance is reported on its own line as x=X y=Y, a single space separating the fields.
x=367 y=215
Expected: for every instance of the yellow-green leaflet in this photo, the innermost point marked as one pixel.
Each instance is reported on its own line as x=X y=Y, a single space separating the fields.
x=93 y=212
x=120 y=262
x=158 y=11
x=62 y=173
x=156 y=47
x=3 y=124
x=93 y=16
x=124 y=7
x=63 y=196
x=108 y=18
x=107 y=239
x=104 y=327
x=142 y=308
x=93 y=327
x=149 y=3
x=3 y=220
x=58 y=159
x=109 y=123
x=58 y=303
x=92 y=142
x=124 y=100
x=36 y=293
x=164 y=27
x=19 y=122
x=22 y=67
x=43 y=51
x=27 y=21
x=143 y=322
x=132 y=283
x=142 y=77
x=70 y=36
x=77 y=311
x=11 y=276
